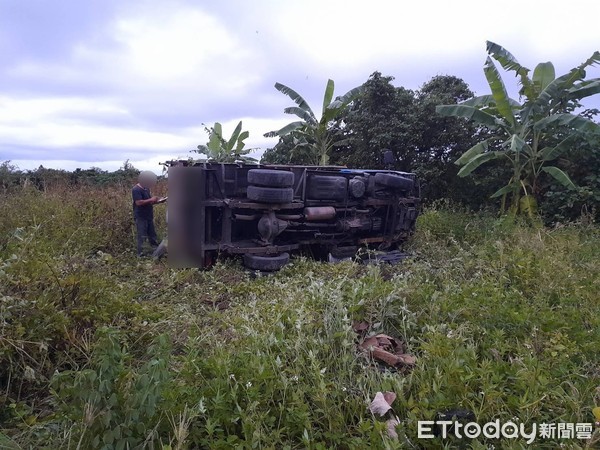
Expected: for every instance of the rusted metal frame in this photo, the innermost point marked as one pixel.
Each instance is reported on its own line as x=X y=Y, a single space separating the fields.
x=371 y=240
x=261 y=206
x=313 y=224
x=259 y=249
x=246 y=217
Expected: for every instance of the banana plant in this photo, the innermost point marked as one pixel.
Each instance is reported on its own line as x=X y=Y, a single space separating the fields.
x=526 y=131
x=312 y=133
x=219 y=149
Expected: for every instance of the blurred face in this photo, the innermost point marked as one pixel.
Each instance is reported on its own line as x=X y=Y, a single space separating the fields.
x=147 y=179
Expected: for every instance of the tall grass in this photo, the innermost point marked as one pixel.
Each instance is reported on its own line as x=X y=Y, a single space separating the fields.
x=503 y=319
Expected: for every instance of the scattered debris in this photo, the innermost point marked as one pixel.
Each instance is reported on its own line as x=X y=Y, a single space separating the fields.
x=388 y=350
x=360 y=327
x=391 y=425
x=380 y=404
x=389 y=397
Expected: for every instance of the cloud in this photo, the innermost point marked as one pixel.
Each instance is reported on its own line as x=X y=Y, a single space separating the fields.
x=101 y=82
x=80 y=130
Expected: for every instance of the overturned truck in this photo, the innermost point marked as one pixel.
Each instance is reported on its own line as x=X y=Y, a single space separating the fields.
x=265 y=212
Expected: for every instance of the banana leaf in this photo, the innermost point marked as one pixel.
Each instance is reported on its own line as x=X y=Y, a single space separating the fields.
x=550 y=153
x=487 y=101
x=569 y=120
x=476 y=162
x=543 y=75
x=559 y=176
x=234 y=136
x=509 y=62
x=296 y=98
x=334 y=108
x=301 y=113
x=511 y=187
x=517 y=145
x=498 y=91
x=585 y=89
x=477 y=149
x=293 y=126
x=240 y=141
x=328 y=94
x=468 y=112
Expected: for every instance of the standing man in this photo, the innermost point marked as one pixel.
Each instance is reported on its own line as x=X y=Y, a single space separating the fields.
x=143 y=212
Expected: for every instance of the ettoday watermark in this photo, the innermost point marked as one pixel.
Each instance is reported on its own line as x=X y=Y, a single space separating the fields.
x=429 y=429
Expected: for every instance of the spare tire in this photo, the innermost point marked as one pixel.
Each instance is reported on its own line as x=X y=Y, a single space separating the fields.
x=266 y=263
x=271 y=178
x=394 y=181
x=270 y=195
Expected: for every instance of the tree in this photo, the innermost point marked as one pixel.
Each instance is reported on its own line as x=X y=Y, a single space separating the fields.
x=219 y=149
x=380 y=118
x=312 y=134
x=286 y=152
x=10 y=175
x=582 y=162
x=388 y=117
x=529 y=134
x=440 y=141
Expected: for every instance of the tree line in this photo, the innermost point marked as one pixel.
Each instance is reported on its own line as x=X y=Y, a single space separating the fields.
x=43 y=178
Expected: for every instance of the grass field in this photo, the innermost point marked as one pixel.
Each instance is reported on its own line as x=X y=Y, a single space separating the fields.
x=99 y=349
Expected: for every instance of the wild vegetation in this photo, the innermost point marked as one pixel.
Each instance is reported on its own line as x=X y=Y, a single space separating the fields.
x=530 y=135
x=219 y=149
x=311 y=137
x=101 y=350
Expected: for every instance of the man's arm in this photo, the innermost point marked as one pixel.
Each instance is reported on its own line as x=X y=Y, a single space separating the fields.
x=149 y=201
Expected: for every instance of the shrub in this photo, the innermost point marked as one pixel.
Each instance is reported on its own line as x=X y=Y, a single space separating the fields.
x=111 y=404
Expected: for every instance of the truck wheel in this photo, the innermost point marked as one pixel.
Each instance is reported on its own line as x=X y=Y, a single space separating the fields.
x=271 y=178
x=266 y=263
x=394 y=181
x=270 y=195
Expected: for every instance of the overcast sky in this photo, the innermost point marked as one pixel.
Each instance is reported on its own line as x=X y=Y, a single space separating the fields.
x=93 y=83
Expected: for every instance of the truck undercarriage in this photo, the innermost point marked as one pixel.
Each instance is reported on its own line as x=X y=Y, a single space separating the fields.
x=266 y=211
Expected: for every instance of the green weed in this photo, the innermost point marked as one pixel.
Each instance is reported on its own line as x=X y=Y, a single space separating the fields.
x=502 y=317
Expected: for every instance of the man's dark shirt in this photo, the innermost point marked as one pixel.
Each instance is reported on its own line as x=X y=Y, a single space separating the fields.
x=145 y=211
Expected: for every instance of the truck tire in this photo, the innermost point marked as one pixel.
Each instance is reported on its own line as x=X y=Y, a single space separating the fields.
x=394 y=181
x=271 y=178
x=270 y=195
x=266 y=263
